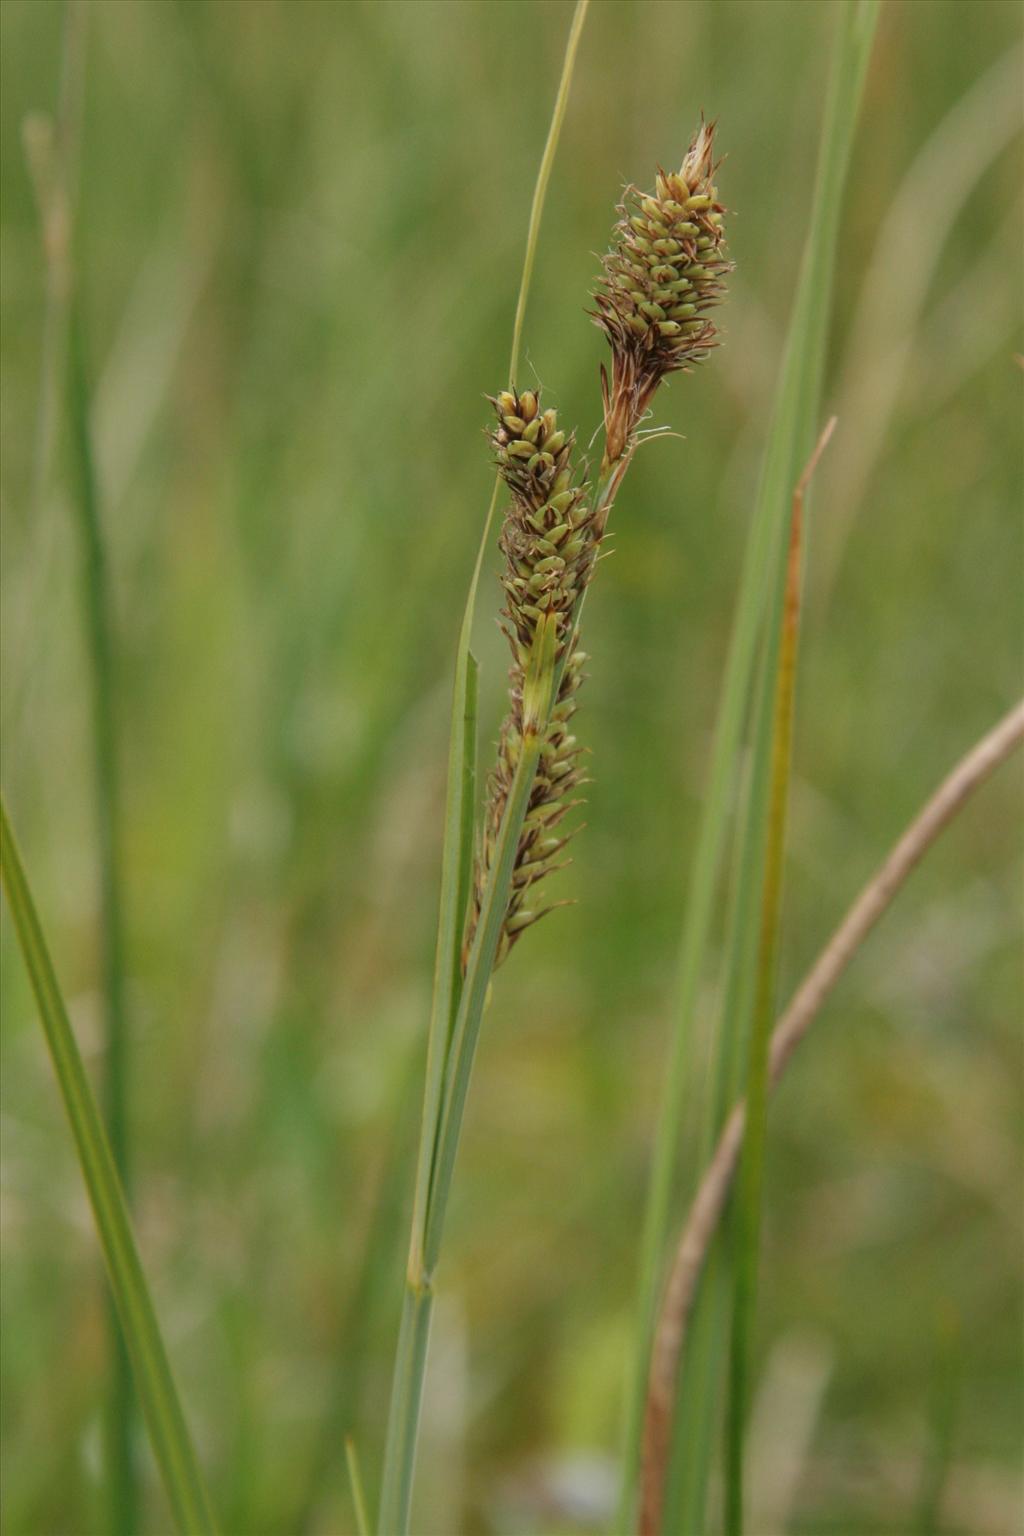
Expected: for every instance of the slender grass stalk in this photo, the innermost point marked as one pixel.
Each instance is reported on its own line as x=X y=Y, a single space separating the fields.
x=175 y=1455
x=751 y=1175
x=100 y=646
x=53 y=164
x=788 y=443
x=457 y=855
x=123 y=1472
x=52 y=153
x=51 y=150
x=415 y=1325
x=356 y=1484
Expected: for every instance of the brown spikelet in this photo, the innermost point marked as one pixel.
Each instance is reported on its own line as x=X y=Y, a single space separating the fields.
x=663 y=275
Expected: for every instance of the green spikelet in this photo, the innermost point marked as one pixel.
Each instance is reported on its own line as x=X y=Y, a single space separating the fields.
x=664 y=273
x=549 y=540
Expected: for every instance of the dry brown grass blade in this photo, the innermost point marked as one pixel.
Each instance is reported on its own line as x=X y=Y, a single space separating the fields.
x=870 y=905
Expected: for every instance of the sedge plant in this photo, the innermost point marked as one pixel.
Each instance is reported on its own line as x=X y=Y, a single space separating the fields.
x=661 y=280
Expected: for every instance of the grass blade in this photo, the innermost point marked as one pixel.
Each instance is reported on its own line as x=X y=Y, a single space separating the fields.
x=789 y=443
x=356 y=1484
x=456 y=869
x=540 y=190
x=751 y=1173
x=174 y=1452
x=123 y=1473
x=52 y=151
x=789 y=440
x=456 y=865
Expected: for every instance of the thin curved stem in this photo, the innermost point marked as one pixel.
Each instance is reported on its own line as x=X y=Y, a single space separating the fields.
x=709 y=1203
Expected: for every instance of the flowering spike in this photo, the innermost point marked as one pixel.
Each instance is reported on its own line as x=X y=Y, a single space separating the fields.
x=664 y=272
x=550 y=539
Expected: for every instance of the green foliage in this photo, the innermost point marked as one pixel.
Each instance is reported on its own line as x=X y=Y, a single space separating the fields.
x=303 y=227
x=179 y=1467
x=751 y=666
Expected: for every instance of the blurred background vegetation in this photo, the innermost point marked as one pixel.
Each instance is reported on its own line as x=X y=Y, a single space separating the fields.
x=299 y=231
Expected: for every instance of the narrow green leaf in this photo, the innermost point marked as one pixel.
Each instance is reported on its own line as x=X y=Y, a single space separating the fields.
x=53 y=154
x=356 y=1485
x=467 y=828
x=456 y=868
x=748 y=1223
x=479 y=969
x=160 y=1405
x=121 y=1410
x=790 y=435
x=792 y=432
x=407 y=1390
x=540 y=190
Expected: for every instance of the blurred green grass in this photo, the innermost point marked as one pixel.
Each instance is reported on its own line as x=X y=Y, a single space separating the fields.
x=300 y=232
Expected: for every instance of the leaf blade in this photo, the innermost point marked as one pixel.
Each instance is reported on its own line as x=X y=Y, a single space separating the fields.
x=792 y=428
x=158 y=1395
x=752 y=1160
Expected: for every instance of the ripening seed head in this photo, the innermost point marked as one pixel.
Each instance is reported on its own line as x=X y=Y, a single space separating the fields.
x=662 y=277
x=550 y=540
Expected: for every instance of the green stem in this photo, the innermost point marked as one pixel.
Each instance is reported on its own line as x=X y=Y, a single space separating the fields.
x=751 y=1174
x=410 y=1367
x=449 y=991
x=479 y=969
x=169 y=1434
x=52 y=152
x=122 y=1470
x=356 y=1484
x=404 y=1413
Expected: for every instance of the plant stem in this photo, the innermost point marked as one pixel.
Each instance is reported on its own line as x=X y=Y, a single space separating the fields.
x=52 y=153
x=96 y=607
x=407 y=1390
x=356 y=1485
x=96 y=610
x=404 y=1412
x=749 y=1213
x=169 y=1434
x=449 y=991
